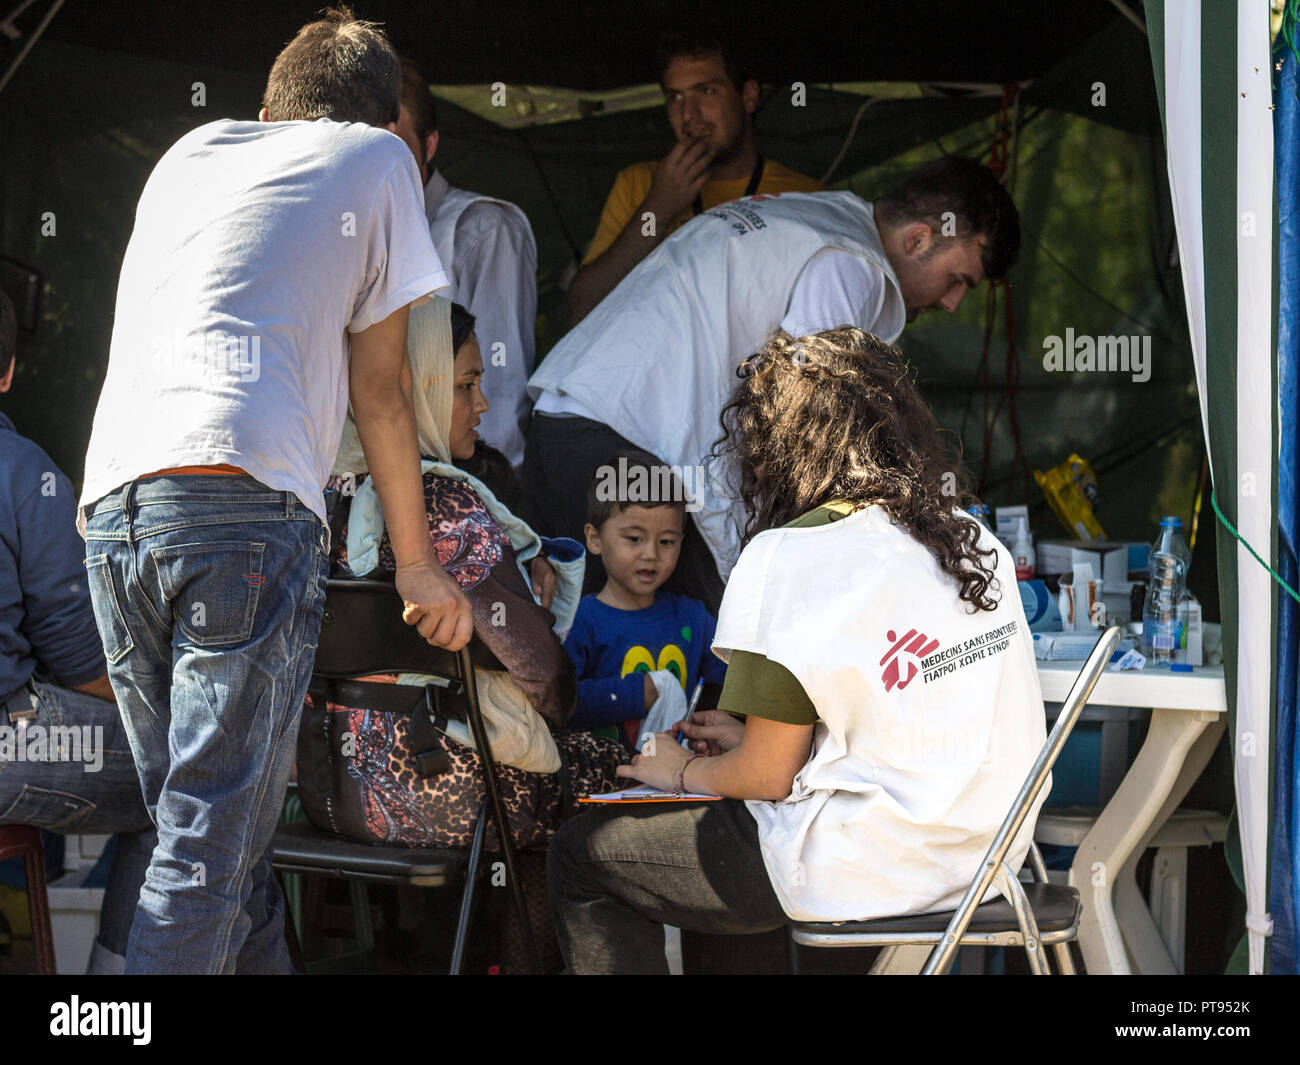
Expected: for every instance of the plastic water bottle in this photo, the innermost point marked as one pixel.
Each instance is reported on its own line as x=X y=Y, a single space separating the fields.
x=980 y=513
x=1166 y=587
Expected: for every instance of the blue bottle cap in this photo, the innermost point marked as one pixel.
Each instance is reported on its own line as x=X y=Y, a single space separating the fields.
x=1171 y=520
x=1180 y=667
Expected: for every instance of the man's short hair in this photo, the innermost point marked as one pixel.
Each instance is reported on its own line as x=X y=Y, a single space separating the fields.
x=974 y=200
x=339 y=68
x=418 y=100
x=8 y=334
x=607 y=494
x=701 y=42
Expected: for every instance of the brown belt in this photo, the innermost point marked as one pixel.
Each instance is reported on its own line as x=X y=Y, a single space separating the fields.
x=192 y=469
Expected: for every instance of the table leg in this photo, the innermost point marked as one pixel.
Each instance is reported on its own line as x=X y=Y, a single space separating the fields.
x=1147 y=951
x=1122 y=826
x=901 y=961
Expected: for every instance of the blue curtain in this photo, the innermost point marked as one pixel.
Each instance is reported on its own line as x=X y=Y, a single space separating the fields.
x=1284 y=902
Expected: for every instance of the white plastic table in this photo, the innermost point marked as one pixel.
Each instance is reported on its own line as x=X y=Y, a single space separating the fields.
x=1189 y=712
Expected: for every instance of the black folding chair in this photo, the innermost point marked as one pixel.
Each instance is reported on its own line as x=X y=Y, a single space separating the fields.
x=362 y=634
x=1034 y=915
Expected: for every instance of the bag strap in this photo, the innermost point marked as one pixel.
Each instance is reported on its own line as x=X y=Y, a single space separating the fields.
x=428 y=723
x=321 y=749
x=337 y=508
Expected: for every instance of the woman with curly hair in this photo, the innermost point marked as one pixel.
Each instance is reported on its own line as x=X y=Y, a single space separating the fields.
x=881 y=677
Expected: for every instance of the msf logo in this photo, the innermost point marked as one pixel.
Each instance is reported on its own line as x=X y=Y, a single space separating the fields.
x=903 y=661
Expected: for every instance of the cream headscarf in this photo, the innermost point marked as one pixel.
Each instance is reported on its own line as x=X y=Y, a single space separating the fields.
x=428 y=343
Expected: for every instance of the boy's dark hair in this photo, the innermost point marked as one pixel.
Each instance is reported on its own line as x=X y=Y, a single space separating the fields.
x=8 y=334
x=605 y=499
x=339 y=68
x=418 y=100
x=977 y=200
x=700 y=42
x=462 y=325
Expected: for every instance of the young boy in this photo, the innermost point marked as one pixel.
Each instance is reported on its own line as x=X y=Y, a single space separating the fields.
x=627 y=631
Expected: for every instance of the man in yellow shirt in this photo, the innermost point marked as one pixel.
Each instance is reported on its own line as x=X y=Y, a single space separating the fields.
x=711 y=96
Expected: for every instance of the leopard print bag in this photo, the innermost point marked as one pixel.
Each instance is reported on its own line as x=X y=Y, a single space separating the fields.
x=359 y=778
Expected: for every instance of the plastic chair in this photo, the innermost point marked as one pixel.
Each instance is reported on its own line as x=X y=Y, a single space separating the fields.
x=1033 y=915
x=362 y=633
x=23 y=841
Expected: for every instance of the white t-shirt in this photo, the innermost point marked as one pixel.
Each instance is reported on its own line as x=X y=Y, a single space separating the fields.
x=258 y=246
x=929 y=716
x=836 y=289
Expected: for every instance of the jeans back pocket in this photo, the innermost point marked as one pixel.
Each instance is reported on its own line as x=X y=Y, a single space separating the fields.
x=213 y=588
x=104 y=600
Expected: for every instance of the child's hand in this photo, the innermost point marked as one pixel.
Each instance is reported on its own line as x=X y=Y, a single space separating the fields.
x=543 y=577
x=712 y=731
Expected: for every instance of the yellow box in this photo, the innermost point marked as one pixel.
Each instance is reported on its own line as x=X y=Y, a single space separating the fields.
x=1071 y=490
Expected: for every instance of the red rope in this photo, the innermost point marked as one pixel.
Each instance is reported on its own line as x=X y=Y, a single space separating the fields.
x=986 y=426
x=1018 y=457
x=997 y=163
x=998 y=152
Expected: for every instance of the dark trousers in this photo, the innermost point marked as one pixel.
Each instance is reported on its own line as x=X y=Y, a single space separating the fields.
x=560 y=462
x=618 y=874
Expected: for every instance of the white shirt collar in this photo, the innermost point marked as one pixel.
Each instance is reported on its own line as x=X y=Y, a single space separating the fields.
x=434 y=192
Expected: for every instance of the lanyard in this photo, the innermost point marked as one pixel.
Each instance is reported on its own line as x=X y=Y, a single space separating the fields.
x=755 y=177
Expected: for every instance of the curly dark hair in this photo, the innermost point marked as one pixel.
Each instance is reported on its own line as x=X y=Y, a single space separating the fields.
x=836 y=416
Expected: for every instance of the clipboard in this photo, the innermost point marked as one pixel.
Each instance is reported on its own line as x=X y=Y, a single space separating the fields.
x=645 y=793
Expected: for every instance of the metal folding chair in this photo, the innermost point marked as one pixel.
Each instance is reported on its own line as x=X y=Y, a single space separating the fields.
x=1034 y=915
x=362 y=634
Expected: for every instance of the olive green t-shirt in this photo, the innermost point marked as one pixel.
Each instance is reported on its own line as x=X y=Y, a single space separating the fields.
x=756 y=685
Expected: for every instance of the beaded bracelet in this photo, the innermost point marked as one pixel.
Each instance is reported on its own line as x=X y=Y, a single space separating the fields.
x=681 y=774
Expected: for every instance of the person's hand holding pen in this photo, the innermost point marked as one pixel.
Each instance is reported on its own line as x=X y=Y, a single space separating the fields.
x=663 y=757
x=711 y=732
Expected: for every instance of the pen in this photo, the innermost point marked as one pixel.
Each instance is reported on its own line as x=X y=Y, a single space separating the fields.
x=682 y=738
x=695 y=698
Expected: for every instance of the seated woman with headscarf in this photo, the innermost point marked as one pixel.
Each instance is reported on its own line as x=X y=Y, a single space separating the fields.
x=378 y=794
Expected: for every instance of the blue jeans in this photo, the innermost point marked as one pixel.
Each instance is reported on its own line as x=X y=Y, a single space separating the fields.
x=208 y=591
x=85 y=782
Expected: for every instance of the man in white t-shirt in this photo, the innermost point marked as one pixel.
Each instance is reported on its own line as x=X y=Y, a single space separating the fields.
x=487 y=248
x=651 y=367
x=267 y=281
